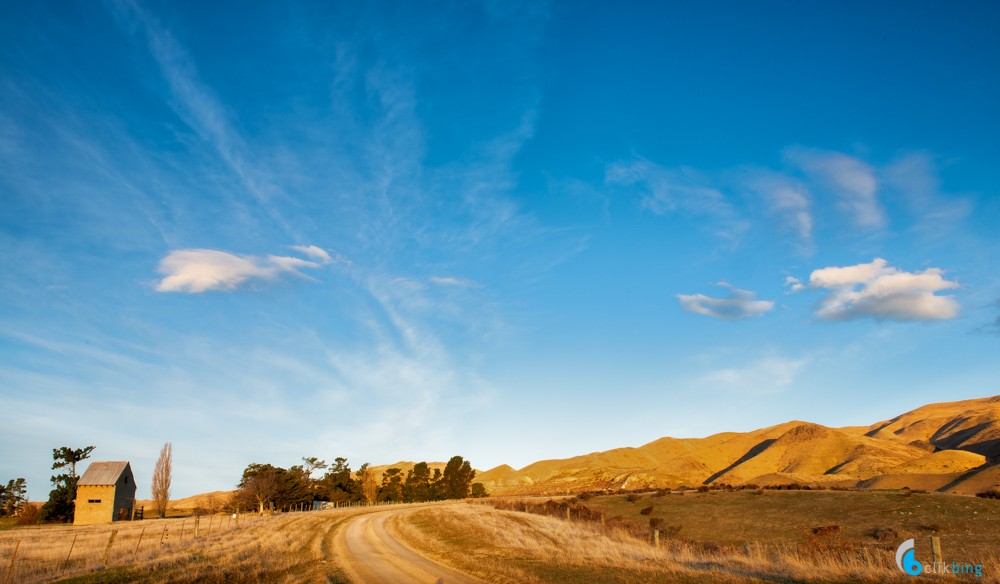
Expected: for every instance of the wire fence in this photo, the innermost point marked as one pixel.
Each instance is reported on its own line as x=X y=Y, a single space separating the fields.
x=45 y=553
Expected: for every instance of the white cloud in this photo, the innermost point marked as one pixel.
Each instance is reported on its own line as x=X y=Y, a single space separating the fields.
x=877 y=290
x=794 y=284
x=851 y=179
x=739 y=304
x=766 y=375
x=201 y=270
x=320 y=254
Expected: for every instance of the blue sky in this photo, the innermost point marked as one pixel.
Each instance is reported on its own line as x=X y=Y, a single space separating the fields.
x=393 y=231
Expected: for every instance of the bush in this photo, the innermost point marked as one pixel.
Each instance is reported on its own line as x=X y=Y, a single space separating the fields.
x=632 y=498
x=832 y=530
x=29 y=514
x=933 y=528
x=993 y=493
x=646 y=510
x=703 y=489
x=883 y=534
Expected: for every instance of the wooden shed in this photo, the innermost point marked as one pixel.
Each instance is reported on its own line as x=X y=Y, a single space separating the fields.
x=105 y=493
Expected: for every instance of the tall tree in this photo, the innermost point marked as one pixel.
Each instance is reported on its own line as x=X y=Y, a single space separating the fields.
x=337 y=484
x=312 y=464
x=12 y=497
x=392 y=486
x=457 y=479
x=162 y=476
x=62 y=499
x=66 y=456
x=368 y=482
x=418 y=483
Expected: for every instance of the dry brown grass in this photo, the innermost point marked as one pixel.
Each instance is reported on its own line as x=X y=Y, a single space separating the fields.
x=511 y=546
x=291 y=547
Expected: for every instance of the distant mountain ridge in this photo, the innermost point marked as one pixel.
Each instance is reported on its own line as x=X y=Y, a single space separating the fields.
x=951 y=446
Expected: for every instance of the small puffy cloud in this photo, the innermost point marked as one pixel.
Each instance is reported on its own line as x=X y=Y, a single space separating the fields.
x=739 y=304
x=194 y=271
x=850 y=179
x=876 y=290
x=794 y=284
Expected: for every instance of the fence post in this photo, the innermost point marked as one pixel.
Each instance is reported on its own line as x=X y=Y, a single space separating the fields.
x=10 y=569
x=141 y=533
x=196 y=521
x=107 y=550
x=163 y=533
x=183 y=521
x=71 y=545
x=936 y=552
x=656 y=538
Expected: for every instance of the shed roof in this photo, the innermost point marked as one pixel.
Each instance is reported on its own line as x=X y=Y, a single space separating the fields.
x=104 y=473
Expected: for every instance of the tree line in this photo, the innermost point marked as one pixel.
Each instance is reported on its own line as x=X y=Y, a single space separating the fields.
x=264 y=486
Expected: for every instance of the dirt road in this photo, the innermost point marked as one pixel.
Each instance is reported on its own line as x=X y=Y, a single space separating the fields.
x=369 y=552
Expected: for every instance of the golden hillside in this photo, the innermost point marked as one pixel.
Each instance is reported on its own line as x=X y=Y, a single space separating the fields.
x=948 y=446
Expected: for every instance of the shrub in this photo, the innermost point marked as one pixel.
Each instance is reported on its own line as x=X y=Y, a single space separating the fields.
x=29 y=514
x=933 y=528
x=831 y=530
x=632 y=498
x=646 y=510
x=703 y=489
x=993 y=493
x=883 y=534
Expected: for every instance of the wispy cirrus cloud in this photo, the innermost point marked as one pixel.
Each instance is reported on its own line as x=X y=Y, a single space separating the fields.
x=678 y=190
x=786 y=197
x=850 y=179
x=877 y=290
x=768 y=374
x=913 y=177
x=452 y=281
x=198 y=107
x=194 y=271
x=739 y=304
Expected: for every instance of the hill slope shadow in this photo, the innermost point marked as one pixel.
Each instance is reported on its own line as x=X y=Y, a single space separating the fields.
x=761 y=447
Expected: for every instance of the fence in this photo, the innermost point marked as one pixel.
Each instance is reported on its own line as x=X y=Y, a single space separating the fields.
x=45 y=553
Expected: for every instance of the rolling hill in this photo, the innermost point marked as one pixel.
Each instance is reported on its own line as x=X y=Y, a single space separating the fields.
x=953 y=446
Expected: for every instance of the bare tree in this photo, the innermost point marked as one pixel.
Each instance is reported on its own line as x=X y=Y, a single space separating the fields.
x=162 y=473
x=262 y=489
x=369 y=484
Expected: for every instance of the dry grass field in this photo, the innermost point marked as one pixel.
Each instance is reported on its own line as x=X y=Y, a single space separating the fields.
x=735 y=537
x=283 y=548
